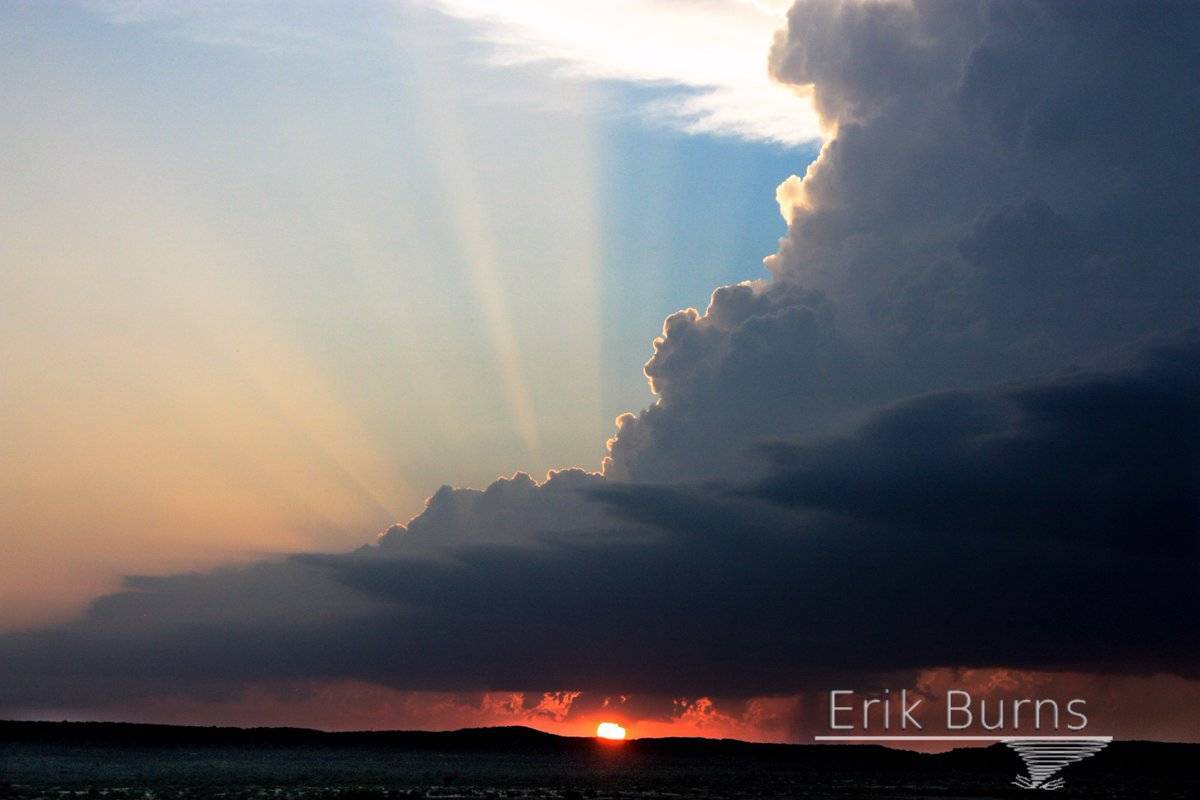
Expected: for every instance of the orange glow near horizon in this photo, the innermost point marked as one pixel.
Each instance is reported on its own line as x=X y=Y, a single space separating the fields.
x=610 y=730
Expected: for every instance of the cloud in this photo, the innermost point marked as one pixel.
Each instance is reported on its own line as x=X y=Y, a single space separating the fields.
x=1009 y=189
x=948 y=116
x=695 y=67
x=765 y=360
x=1042 y=525
x=706 y=58
x=1103 y=461
x=511 y=511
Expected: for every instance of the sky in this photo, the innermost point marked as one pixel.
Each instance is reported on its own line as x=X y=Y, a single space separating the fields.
x=269 y=283
x=893 y=305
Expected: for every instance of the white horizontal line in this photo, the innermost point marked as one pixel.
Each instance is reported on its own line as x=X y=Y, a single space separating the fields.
x=918 y=738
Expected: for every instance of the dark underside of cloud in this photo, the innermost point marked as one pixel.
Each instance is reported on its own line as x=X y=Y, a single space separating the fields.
x=1048 y=524
x=959 y=425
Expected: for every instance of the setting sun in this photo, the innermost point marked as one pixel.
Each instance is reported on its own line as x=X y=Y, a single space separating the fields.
x=610 y=730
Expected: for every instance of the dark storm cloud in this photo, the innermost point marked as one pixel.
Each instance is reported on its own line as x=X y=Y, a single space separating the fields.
x=1110 y=460
x=1012 y=187
x=1050 y=524
x=765 y=360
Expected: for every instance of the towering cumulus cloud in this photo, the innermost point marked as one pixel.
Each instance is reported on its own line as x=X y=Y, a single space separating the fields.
x=1010 y=188
x=958 y=424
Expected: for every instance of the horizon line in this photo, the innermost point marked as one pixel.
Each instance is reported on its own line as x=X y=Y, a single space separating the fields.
x=964 y=738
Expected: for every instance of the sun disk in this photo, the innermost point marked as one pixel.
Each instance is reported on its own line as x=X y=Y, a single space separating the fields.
x=610 y=730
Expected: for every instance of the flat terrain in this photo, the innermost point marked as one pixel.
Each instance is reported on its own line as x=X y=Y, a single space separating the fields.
x=66 y=761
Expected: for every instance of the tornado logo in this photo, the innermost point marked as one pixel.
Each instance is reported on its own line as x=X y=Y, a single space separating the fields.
x=1045 y=757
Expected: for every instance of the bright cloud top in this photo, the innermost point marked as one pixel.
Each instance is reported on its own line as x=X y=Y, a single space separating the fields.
x=708 y=60
x=709 y=55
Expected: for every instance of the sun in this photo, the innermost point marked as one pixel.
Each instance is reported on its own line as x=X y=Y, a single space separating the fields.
x=610 y=730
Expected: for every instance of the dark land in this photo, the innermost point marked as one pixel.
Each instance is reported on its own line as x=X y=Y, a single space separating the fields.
x=116 y=761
